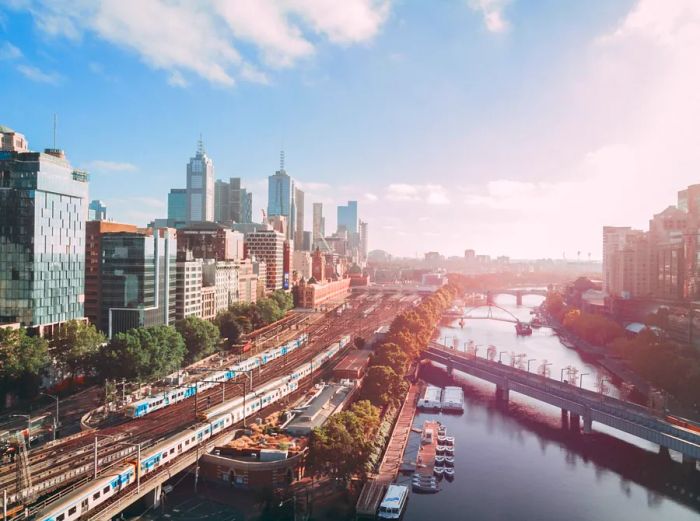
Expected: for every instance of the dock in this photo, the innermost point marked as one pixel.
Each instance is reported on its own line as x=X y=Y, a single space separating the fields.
x=425 y=460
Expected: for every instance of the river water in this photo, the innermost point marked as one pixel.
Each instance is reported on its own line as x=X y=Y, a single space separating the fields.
x=519 y=462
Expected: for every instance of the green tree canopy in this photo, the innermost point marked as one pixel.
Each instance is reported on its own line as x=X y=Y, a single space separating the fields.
x=143 y=353
x=201 y=337
x=75 y=346
x=381 y=385
x=21 y=354
x=391 y=355
x=229 y=327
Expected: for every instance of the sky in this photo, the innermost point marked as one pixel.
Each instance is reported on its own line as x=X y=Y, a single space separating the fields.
x=512 y=127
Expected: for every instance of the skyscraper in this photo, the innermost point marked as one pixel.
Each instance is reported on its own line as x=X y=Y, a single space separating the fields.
x=232 y=202
x=364 y=241
x=347 y=217
x=43 y=207
x=280 y=189
x=222 y=201
x=200 y=187
x=319 y=222
x=177 y=204
x=97 y=211
x=299 y=231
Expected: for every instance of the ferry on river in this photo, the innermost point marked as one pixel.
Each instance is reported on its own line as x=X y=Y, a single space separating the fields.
x=394 y=502
x=523 y=329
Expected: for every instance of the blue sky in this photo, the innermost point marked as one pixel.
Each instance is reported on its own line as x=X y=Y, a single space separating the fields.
x=514 y=127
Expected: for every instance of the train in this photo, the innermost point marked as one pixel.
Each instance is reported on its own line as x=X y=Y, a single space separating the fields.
x=92 y=494
x=144 y=406
x=683 y=423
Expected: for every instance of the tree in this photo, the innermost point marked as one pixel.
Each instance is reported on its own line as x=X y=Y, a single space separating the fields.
x=381 y=385
x=228 y=327
x=143 y=353
x=284 y=300
x=269 y=310
x=22 y=360
x=75 y=346
x=391 y=355
x=201 y=337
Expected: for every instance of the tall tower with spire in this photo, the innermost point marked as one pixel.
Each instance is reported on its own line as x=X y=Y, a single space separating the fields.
x=280 y=197
x=200 y=186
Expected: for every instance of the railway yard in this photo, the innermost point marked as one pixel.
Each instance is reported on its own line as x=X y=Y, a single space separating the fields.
x=42 y=475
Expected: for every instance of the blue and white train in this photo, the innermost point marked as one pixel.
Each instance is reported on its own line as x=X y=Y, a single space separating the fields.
x=157 y=401
x=94 y=493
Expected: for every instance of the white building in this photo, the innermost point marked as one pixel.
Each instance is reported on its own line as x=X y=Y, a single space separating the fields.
x=200 y=187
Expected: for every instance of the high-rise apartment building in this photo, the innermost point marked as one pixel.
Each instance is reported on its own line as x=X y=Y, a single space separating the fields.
x=347 y=217
x=299 y=219
x=97 y=211
x=200 y=187
x=319 y=223
x=94 y=231
x=209 y=241
x=188 y=289
x=268 y=246
x=364 y=242
x=177 y=204
x=43 y=208
x=614 y=239
x=138 y=279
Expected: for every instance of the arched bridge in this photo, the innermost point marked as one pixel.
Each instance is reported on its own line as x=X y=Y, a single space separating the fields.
x=580 y=403
x=518 y=293
x=510 y=317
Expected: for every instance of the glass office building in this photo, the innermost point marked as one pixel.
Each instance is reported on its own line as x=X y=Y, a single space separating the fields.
x=177 y=204
x=43 y=209
x=138 y=274
x=347 y=217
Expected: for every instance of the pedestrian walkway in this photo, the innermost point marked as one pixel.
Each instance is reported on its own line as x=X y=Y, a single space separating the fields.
x=393 y=456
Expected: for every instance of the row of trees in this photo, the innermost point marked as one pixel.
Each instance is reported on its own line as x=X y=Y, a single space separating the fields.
x=339 y=447
x=138 y=354
x=666 y=364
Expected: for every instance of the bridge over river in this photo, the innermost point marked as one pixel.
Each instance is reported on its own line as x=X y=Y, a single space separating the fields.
x=579 y=403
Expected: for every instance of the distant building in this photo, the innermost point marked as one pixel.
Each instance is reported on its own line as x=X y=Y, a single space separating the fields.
x=97 y=211
x=94 y=231
x=188 y=297
x=313 y=294
x=307 y=243
x=233 y=204
x=138 y=280
x=301 y=264
x=268 y=246
x=280 y=200
x=43 y=207
x=364 y=242
x=177 y=205
x=347 y=217
x=299 y=219
x=319 y=223
x=200 y=187
x=614 y=240
x=208 y=240
x=469 y=255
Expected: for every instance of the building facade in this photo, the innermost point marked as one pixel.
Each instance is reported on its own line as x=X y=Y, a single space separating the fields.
x=299 y=219
x=200 y=187
x=188 y=289
x=97 y=211
x=138 y=274
x=210 y=241
x=268 y=246
x=43 y=210
x=280 y=200
x=347 y=217
x=319 y=223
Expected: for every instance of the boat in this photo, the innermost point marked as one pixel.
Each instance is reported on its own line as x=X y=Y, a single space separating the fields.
x=439 y=471
x=449 y=450
x=449 y=461
x=450 y=441
x=441 y=439
x=426 y=484
x=452 y=399
x=440 y=449
x=430 y=400
x=523 y=329
x=567 y=343
x=394 y=502
x=439 y=459
x=449 y=472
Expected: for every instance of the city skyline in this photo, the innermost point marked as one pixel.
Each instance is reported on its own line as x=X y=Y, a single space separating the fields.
x=554 y=86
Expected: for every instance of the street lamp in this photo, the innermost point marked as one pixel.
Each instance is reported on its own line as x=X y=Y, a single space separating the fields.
x=499 y=356
x=528 y=363
x=602 y=384
x=55 y=419
x=544 y=368
x=580 y=379
x=562 y=373
x=29 y=427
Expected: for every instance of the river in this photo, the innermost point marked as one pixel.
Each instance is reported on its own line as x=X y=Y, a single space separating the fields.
x=518 y=462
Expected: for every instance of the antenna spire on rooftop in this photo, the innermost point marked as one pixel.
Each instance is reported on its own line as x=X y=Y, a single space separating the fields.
x=200 y=145
x=282 y=160
x=55 y=123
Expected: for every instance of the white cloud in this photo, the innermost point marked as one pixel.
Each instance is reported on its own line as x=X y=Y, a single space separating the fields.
x=427 y=193
x=9 y=52
x=202 y=38
x=492 y=13
x=36 y=74
x=99 y=165
x=370 y=197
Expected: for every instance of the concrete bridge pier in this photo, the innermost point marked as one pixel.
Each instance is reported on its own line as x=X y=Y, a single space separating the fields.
x=587 y=423
x=153 y=498
x=519 y=298
x=502 y=393
x=664 y=453
x=565 y=419
x=575 y=422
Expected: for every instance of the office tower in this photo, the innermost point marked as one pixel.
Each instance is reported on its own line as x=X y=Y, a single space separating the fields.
x=364 y=241
x=307 y=245
x=188 y=288
x=233 y=204
x=268 y=246
x=299 y=218
x=138 y=279
x=94 y=230
x=177 y=204
x=222 y=201
x=318 y=222
x=43 y=207
x=347 y=217
x=209 y=241
x=200 y=187
x=614 y=240
x=97 y=211
x=280 y=202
